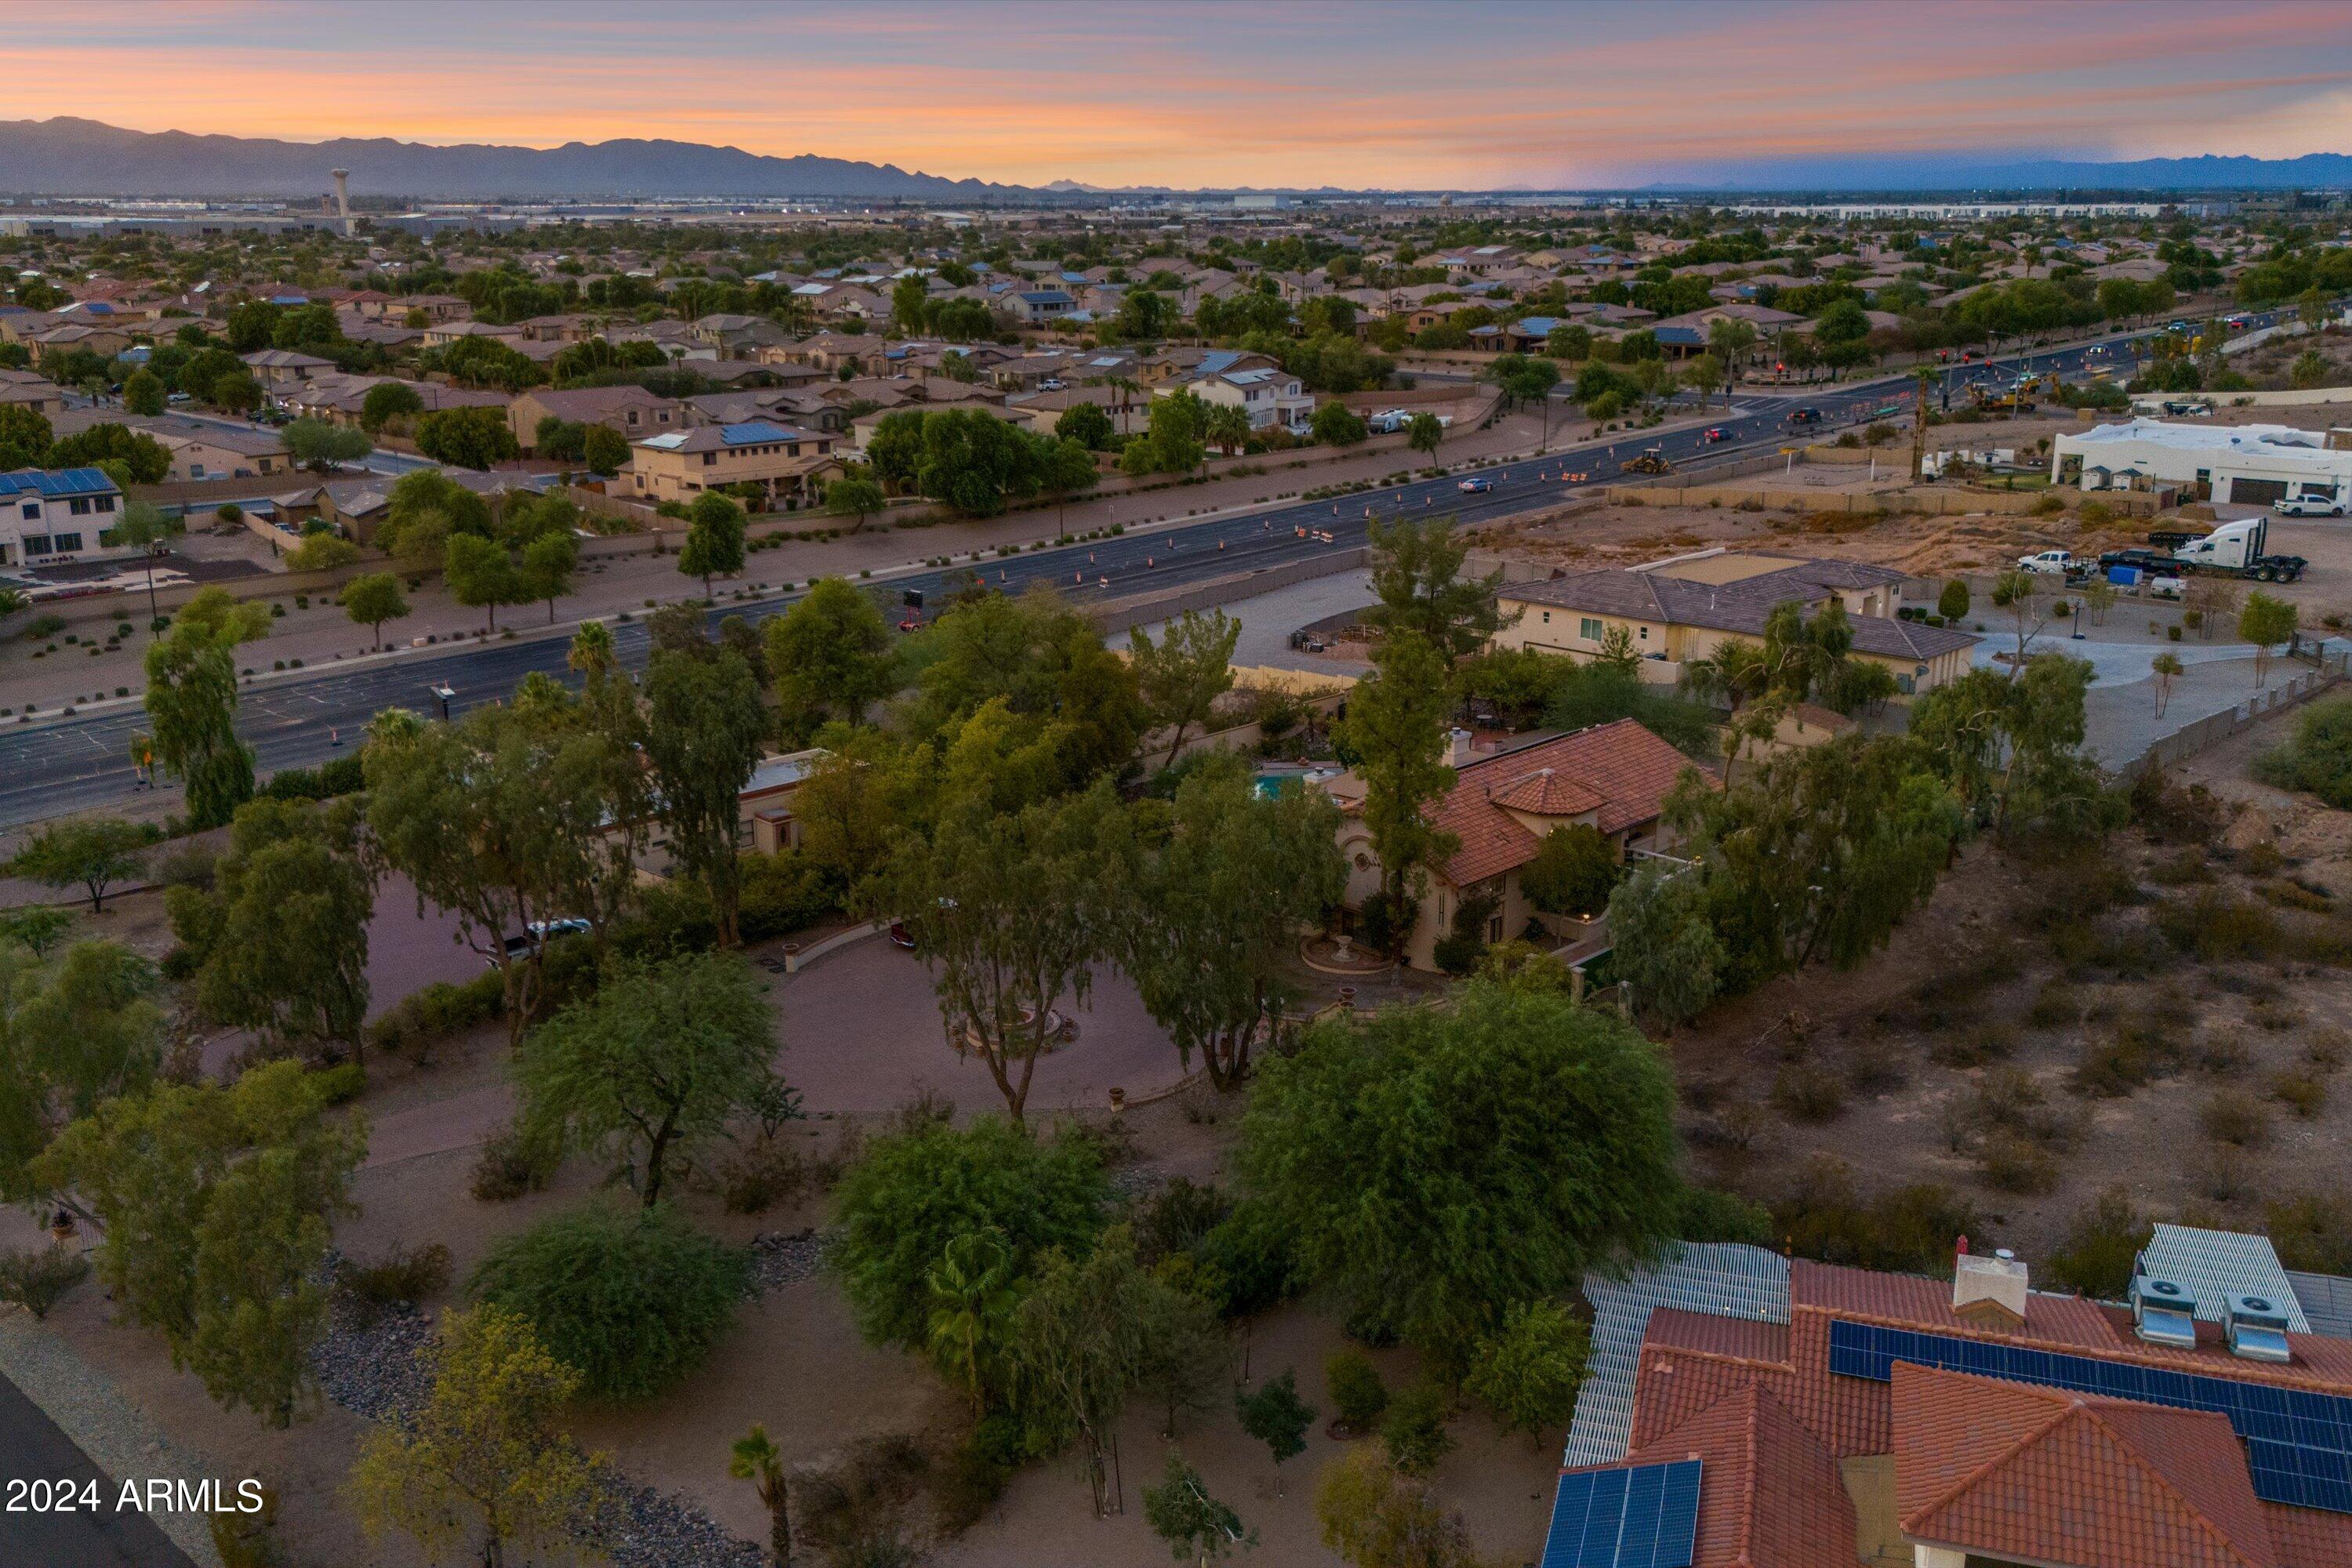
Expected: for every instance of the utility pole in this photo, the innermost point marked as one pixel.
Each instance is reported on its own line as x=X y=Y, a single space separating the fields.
x=1919 y=423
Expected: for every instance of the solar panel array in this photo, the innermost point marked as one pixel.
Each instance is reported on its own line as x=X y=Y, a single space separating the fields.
x=2298 y=1444
x=1645 y=1517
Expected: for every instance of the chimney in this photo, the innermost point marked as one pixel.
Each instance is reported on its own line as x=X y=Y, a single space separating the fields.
x=1989 y=1292
x=1459 y=747
x=343 y=198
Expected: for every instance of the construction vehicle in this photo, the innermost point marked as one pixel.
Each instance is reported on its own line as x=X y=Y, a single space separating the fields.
x=1653 y=460
x=2014 y=398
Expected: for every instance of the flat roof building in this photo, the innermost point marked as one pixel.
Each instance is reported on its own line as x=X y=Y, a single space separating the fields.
x=2248 y=465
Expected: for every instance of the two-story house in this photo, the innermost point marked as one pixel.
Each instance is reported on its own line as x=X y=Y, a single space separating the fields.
x=1669 y=613
x=55 y=514
x=682 y=464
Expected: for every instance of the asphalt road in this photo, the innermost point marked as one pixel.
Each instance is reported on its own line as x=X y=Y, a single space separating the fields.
x=31 y=1446
x=83 y=763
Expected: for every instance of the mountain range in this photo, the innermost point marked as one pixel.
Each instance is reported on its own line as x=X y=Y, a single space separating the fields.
x=85 y=157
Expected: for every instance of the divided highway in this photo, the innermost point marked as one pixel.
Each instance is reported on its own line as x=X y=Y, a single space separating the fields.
x=83 y=763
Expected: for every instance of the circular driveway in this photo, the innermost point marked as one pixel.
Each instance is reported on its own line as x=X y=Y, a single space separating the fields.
x=861 y=1034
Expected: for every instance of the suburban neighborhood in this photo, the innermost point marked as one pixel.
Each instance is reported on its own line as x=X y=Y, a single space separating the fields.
x=1591 y=819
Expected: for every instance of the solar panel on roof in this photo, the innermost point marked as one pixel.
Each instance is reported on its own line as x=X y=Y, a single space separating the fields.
x=2298 y=1442
x=1645 y=1517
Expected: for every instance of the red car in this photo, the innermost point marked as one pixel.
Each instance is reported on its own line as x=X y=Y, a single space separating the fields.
x=1717 y=434
x=911 y=623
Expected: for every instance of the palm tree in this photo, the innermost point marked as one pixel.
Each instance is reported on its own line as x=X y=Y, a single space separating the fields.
x=971 y=1300
x=757 y=1460
x=2167 y=667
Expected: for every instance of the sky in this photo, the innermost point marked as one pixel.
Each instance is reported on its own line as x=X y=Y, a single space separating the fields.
x=1461 y=94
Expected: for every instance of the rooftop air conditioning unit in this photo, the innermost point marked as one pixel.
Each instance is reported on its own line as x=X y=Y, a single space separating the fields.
x=2163 y=1311
x=2258 y=1329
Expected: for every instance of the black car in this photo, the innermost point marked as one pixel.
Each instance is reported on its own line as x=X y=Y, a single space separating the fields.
x=1805 y=416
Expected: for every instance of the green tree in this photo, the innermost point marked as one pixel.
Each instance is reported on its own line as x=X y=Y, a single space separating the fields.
x=2166 y=667
x=1227 y=427
x=321 y=551
x=73 y=1034
x=974 y=462
x=634 y=1298
x=972 y=1299
x=1528 y=1371
x=1215 y=909
x=1375 y=1517
x=605 y=449
x=714 y=539
x=855 y=499
x=322 y=448
x=192 y=702
x=1417 y=577
x=1423 y=433
x=387 y=402
x=1087 y=424
x=1395 y=729
x=1433 y=1167
x=499 y=819
x=1276 y=1417
x=481 y=573
x=280 y=942
x=548 y=562
x=216 y=1204
x=1574 y=871
x=1337 y=425
x=235 y=392
x=24 y=436
x=2266 y=621
x=1664 y=947
x=1180 y=1511
x=1078 y=1343
x=477 y=438
x=916 y=1190
x=1413 y=1432
x=1818 y=853
x=148 y=461
x=1952 y=604
x=1181 y=675
x=830 y=656
x=34 y=930
x=88 y=852
x=704 y=732
x=653 y=1066
x=484 y=1470
x=1010 y=913
x=1065 y=467
x=373 y=599
x=142 y=394
x=756 y=1459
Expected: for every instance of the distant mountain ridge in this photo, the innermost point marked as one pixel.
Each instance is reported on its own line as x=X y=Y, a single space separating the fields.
x=85 y=157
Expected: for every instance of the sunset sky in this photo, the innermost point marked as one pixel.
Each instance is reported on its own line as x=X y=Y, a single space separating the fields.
x=1438 y=93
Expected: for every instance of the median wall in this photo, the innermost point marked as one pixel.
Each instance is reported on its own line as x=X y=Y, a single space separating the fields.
x=1930 y=499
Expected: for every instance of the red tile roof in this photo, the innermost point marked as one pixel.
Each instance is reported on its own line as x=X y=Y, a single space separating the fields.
x=1619 y=772
x=1769 y=1496
x=2017 y=1471
x=2070 y=1322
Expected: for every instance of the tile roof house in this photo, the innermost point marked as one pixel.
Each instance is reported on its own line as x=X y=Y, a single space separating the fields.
x=1681 y=609
x=1840 y=1416
x=630 y=411
x=1611 y=777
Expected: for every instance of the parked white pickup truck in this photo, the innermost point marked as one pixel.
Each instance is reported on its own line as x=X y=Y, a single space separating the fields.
x=2055 y=563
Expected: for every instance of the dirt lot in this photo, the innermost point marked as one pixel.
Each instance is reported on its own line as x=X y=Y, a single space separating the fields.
x=2167 y=1020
